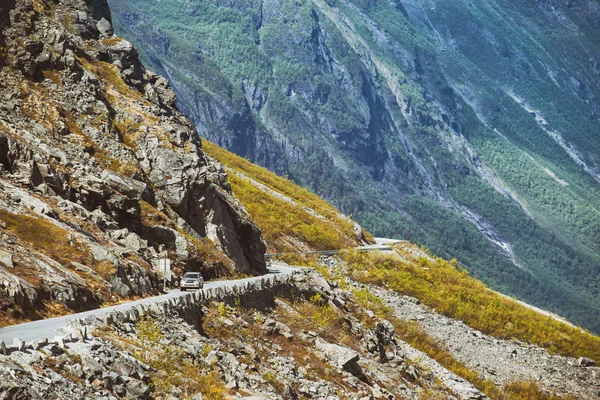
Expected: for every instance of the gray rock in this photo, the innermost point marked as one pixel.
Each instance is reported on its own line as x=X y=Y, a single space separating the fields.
x=104 y=27
x=103 y=220
x=6 y=259
x=342 y=357
x=19 y=344
x=129 y=187
x=211 y=358
x=77 y=370
x=137 y=389
x=135 y=243
x=181 y=246
x=127 y=367
x=38 y=344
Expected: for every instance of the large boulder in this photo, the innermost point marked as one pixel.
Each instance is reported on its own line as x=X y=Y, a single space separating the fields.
x=195 y=188
x=342 y=357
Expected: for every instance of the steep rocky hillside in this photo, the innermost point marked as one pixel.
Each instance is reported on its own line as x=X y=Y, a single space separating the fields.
x=99 y=173
x=468 y=127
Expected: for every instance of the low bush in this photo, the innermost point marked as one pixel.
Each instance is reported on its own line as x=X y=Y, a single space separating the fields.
x=172 y=367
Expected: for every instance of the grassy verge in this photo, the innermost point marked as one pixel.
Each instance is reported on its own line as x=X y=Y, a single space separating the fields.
x=447 y=288
x=283 y=225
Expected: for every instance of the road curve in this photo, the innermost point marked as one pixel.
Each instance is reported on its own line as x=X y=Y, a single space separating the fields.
x=381 y=244
x=53 y=327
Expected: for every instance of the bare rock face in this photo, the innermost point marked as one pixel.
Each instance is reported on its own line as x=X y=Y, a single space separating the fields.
x=93 y=150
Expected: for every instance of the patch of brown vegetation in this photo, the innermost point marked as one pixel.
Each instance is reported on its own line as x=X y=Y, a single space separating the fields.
x=150 y=216
x=44 y=236
x=104 y=268
x=54 y=76
x=111 y=41
x=39 y=105
x=109 y=74
x=529 y=391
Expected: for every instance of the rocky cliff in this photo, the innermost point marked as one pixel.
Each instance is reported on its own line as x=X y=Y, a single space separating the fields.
x=99 y=173
x=468 y=128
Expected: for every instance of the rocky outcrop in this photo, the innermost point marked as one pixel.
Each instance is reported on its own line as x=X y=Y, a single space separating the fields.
x=93 y=148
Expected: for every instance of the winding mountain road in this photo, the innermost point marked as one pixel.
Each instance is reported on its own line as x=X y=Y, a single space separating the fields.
x=53 y=327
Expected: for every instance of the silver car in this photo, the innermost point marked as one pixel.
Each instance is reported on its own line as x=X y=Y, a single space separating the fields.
x=191 y=280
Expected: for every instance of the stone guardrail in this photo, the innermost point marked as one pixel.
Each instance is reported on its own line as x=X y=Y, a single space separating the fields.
x=259 y=293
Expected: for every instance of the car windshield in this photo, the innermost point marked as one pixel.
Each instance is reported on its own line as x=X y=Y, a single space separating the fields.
x=192 y=275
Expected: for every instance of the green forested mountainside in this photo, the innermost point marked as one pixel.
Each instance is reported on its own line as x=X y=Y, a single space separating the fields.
x=468 y=127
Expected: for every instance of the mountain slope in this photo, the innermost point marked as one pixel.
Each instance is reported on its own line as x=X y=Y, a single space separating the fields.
x=469 y=128
x=99 y=174
x=291 y=219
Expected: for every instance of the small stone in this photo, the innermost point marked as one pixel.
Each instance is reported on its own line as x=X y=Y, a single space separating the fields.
x=586 y=362
x=3 y=348
x=211 y=358
x=137 y=389
x=104 y=27
x=19 y=344
x=340 y=356
x=271 y=323
x=97 y=382
x=77 y=370
x=232 y=384
x=228 y=323
x=119 y=390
